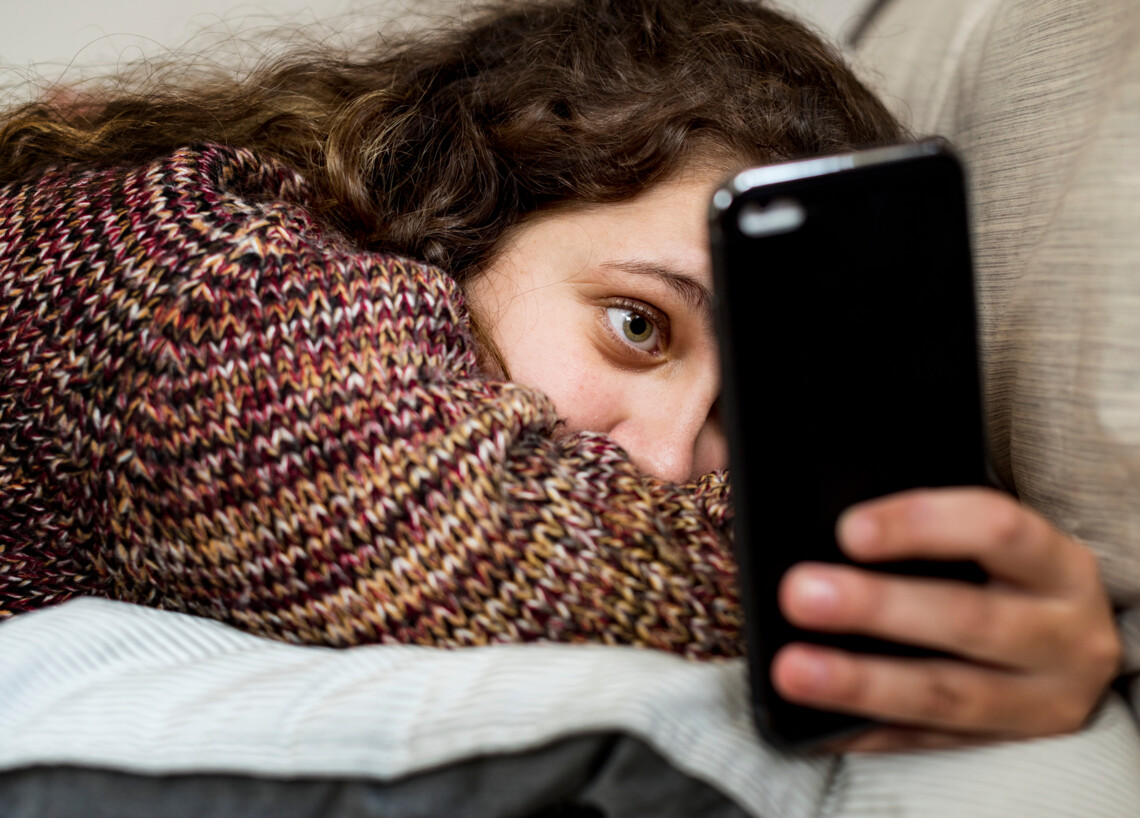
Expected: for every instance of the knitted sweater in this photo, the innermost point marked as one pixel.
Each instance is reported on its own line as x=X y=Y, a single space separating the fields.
x=210 y=404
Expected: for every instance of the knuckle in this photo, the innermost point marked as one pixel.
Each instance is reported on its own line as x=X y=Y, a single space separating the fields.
x=1086 y=565
x=1004 y=521
x=1070 y=714
x=919 y=509
x=872 y=602
x=940 y=700
x=857 y=688
x=1105 y=652
x=971 y=620
x=1056 y=630
x=867 y=686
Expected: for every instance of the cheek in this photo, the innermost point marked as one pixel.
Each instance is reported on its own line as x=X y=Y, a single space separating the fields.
x=548 y=340
x=552 y=350
x=590 y=402
x=584 y=391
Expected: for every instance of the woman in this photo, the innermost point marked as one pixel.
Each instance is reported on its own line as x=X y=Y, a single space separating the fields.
x=228 y=389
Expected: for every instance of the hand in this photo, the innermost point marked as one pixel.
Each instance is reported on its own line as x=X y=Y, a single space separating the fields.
x=1033 y=649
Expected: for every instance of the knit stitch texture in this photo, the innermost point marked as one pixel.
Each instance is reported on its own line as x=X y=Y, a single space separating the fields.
x=210 y=404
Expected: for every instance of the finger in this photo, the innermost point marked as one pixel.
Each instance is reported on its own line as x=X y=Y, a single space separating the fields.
x=932 y=694
x=1011 y=542
x=895 y=739
x=988 y=624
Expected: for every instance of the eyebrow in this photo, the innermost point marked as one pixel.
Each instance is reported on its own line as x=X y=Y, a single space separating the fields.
x=695 y=294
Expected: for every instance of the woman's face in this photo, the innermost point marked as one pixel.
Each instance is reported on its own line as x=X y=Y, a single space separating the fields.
x=607 y=309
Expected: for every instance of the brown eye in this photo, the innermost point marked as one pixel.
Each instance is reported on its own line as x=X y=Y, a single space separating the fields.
x=634 y=328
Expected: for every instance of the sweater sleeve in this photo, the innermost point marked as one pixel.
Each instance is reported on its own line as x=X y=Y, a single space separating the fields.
x=302 y=447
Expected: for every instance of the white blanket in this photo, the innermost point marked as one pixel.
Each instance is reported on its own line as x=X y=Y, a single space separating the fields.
x=110 y=685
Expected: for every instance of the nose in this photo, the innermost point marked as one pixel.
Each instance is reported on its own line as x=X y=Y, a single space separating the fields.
x=675 y=440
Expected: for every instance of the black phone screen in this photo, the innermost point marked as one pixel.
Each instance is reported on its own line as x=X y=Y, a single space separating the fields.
x=848 y=342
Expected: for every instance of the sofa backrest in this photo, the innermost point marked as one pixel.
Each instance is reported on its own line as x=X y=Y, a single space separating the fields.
x=1042 y=99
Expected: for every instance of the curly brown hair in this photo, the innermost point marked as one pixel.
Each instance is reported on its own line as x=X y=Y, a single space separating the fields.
x=442 y=141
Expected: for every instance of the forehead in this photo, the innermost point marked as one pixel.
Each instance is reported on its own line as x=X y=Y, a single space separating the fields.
x=666 y=223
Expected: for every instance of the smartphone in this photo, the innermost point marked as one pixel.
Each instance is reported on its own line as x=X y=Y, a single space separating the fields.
x=848 y=341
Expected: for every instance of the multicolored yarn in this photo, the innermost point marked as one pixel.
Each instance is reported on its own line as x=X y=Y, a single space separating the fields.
x=211 y=405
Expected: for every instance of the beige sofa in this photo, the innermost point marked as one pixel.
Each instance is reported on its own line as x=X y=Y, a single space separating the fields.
x=1042 y=98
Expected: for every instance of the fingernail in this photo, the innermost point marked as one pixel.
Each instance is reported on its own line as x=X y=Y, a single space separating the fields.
x=817 y=593
x=858 y=530
x=813 y=673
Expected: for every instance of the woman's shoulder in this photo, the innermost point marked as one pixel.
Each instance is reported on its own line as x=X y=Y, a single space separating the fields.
x=195 y=196
x=206 y=203
x=204 y=241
